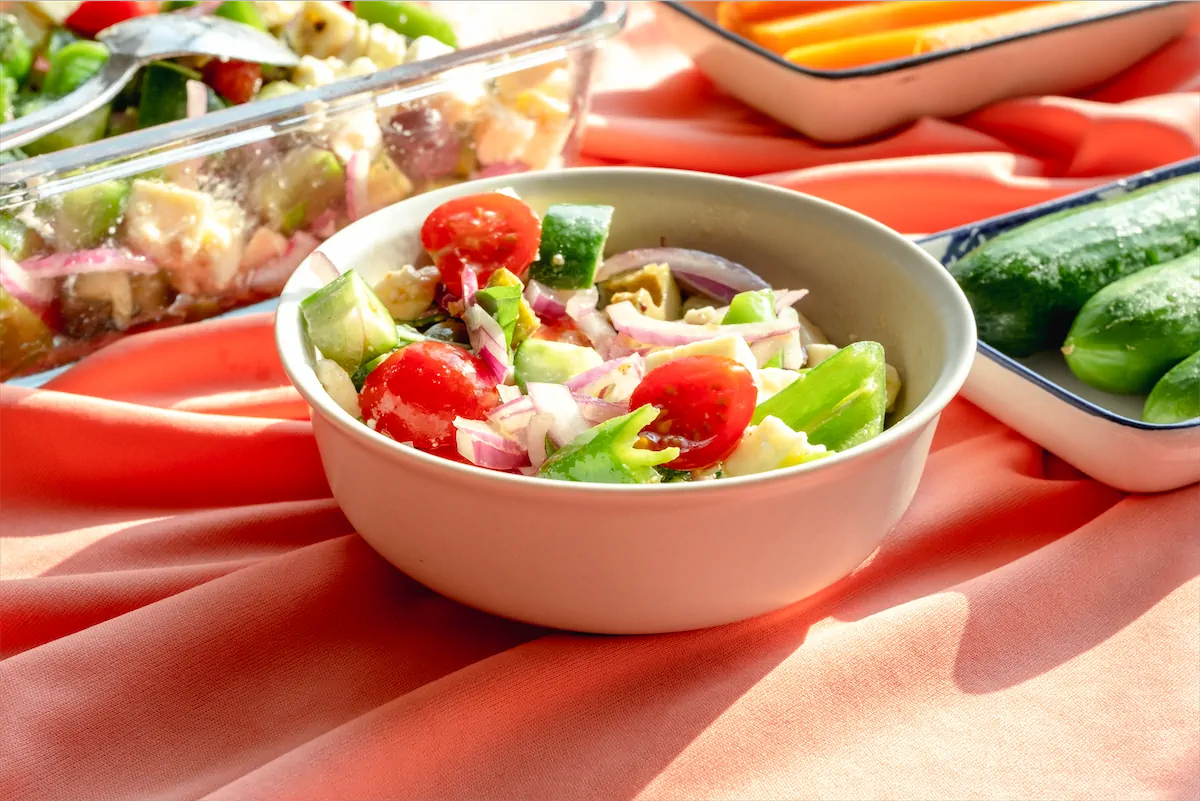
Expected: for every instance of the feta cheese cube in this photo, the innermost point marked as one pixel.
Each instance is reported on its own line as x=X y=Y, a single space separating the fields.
x=892 y=386
x=503 y=136
x=424 y=47
x=819 y=352
x=771 y=445
x=773 y=380
x=385 y=47
x=277 y=14
x=731 y=346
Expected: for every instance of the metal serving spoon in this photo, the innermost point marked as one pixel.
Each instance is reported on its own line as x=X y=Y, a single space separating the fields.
x=133 y=44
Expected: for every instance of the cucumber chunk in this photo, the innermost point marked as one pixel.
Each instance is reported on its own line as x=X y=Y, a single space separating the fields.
x=1176 y=396
x=572 y=248
x=295 y=191
x=547 y=362
x=1136 y=329
x=348 y=322
x=164 y=94
x=87 y=216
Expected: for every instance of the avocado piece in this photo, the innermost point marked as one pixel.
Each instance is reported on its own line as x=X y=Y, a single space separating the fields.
x=527 y=322
x=548 y=362
x=348 y=322
x=24 y=337
x=294 y=192
x=651 y=288
x=276 y=89
x=85 y=217
x=18 y=239
x=386 y=184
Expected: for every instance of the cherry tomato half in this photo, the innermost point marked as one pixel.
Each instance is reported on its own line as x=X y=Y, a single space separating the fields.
x=236 y=81
x=706 y=403
x=94 y=16
x=484 y=232
x=417 y=392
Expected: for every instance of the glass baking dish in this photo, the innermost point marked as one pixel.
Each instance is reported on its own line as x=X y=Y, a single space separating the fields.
x=187 y=220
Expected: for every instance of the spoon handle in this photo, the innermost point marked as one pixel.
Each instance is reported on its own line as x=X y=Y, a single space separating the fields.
x=94 y=93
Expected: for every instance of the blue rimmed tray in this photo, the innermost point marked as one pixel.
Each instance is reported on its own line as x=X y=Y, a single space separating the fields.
x=1101 y=434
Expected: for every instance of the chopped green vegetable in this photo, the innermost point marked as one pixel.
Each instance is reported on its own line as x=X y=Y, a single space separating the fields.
x=1176 y=396
x=176 y=5
x=89 y=129
x=8 y=91
x=408 y=19
x=16 y=238
x=360 y=375
x=242 y=11
x=527 y=321
x=73 y=66
x=87 y=216
x=503 y=303
x=753 y=307
x=607 y=454
x=348 y=322
x=671 y=476
x=547 y=362
x=164 y=94
x=305 y=182
x=56 y=40
x=572 y=245
x=16 y=51
x=840 y=403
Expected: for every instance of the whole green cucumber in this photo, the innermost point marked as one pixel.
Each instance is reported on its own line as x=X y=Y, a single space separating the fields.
x=1027 y=284
x=1176 y=396
x=1137 y=328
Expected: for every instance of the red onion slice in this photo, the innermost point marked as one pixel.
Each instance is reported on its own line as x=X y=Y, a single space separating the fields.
x=97 y=260
x=613 y=380
x=597 y=411
x=535 y=438
x=546 y=302
x=481 y=445
x=487 y=340
x=470 y=284
x=629 y=321
x=581 y=308
x=787 y=298
x=34 y=292
x=272 y=275
x=197 y=99
x=358 y=169
x=556 y=400
x=693 y=270
x=325 y=225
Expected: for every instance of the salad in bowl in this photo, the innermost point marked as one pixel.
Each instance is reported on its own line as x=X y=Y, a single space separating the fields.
x=513 y=344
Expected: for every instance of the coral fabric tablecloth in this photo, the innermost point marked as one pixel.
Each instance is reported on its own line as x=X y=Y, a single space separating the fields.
x=184 y=613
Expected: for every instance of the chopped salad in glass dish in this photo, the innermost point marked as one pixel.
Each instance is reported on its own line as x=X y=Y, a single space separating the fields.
x=521 y=348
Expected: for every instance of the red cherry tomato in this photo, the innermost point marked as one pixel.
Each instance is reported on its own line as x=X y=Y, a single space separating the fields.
x=484 y=232
x=706 y=403
x=417 y=392
x=236 y=81
x=94 y=16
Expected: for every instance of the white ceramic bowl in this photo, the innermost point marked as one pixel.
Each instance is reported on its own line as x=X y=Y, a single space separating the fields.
x=845 y=105
x=622 y=559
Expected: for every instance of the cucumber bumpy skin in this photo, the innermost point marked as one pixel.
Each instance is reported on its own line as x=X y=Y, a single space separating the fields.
x=1176 y=396
x=1136 y=329
x=1027 y=284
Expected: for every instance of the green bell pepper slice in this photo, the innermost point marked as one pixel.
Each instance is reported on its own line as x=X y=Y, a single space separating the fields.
x=839 y=403
x=16 y=51
x=242 y=11
x=408 y=19
x=72 y=66
x=753 y=307
x=607 y=454
x=503 y=303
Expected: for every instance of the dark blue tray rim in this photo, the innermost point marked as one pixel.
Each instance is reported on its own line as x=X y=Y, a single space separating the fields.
x=1004 y=222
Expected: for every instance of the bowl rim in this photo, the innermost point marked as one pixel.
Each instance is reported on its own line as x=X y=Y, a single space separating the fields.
x=901 y=64
x=294 y=350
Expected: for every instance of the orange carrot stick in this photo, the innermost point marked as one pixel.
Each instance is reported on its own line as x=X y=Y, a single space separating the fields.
x=735 y=16
x=861 y=19
x=909 y=42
